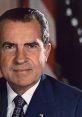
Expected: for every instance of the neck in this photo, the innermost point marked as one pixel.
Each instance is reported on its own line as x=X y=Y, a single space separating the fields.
x=20 y=90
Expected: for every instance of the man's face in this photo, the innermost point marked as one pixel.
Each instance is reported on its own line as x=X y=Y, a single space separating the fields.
x=22 y=54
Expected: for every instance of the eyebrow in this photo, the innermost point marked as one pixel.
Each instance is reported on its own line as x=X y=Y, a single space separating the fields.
x=7 y=42
x=34 y=43
x=27 y=43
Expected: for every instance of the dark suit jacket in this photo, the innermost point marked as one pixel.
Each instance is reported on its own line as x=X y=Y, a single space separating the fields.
x=51 y=99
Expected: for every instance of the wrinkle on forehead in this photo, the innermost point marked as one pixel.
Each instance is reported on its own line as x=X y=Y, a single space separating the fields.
x=27 y=30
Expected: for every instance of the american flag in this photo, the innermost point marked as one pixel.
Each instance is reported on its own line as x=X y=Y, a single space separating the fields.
x=48 y=8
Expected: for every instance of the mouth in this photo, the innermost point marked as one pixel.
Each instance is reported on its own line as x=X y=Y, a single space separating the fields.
x=21 y=70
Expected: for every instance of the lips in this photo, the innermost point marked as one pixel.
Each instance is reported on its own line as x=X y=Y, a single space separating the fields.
x=21 y=68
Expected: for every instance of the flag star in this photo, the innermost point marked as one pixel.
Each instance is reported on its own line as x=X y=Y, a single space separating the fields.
x=67 y=2
x=80 y=39
x=69 y=12
x=79 y=31
x=74 y=22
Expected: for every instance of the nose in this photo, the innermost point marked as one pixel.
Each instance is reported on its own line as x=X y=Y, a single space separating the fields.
x=20 y=56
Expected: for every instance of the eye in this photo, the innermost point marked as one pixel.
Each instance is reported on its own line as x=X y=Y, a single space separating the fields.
x=8 y=45
x=32 y=45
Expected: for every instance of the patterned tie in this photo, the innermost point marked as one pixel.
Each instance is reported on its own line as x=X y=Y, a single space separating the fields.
x=19 y=103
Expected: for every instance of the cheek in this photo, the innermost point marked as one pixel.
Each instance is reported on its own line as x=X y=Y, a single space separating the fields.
x=36 y=60
x=5 y=60
x=4 y=64
x=42 y=58
x=39 y=62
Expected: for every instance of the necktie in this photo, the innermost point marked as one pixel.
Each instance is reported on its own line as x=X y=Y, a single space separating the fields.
x=19 y=104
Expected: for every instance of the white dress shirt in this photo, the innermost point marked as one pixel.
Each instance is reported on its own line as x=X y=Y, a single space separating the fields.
x=26 y=96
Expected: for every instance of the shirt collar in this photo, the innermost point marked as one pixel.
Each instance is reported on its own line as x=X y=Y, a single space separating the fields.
x=26 y=96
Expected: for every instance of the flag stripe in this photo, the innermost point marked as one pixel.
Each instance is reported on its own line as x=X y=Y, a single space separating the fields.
x=26 y=3
x=50 y=5
x=23 y=3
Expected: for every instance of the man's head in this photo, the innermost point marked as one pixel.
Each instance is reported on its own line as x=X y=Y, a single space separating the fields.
x=24 y=47
x=27 y=15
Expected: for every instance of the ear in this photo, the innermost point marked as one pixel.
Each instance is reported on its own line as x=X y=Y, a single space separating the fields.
x=47 y=50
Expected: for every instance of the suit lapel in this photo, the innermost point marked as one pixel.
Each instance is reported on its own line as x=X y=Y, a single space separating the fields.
x=41 y=105
x=3 y=99
x=42 y=101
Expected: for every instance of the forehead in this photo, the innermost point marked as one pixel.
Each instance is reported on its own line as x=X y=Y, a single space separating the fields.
x=20 y=31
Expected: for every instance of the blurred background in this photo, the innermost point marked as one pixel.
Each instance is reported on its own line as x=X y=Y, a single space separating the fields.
x=65 y=23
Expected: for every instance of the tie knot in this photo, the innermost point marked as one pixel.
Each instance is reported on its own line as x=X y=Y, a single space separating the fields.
x=19 y=101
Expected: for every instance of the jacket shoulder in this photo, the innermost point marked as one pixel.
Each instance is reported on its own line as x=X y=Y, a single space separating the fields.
x=61 y=89
x=2 y=80
x=2 y=84
x=66 y=99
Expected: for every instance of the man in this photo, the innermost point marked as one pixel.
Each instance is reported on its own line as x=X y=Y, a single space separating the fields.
x=24 y=89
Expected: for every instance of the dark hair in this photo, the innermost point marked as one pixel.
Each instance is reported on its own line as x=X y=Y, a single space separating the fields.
x=26 y=15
